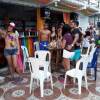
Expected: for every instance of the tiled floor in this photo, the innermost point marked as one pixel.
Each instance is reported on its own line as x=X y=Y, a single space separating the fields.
x=10 y=90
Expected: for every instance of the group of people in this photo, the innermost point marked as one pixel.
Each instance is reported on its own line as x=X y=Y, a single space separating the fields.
x=68 y=37
x=49 y=35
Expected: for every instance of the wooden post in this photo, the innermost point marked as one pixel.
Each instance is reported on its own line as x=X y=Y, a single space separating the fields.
x=40 y=21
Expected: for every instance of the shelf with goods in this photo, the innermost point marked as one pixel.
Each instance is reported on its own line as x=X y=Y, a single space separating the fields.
x=28 y=41
x=27 y=35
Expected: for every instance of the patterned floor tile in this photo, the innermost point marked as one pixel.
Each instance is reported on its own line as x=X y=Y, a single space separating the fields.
x=62 y=97
x=58 y=85
x=95 y=89
x=17 y=93
x=72 y=92
x=25 y=80
x=8 y=86
x=49 y=94
x=32 y=98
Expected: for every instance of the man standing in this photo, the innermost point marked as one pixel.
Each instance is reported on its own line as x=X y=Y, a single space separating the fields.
x=44 y=37
x=77 y=37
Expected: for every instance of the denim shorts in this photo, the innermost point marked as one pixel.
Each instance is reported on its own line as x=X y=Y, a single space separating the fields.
x=8 y=52
x=77 y=55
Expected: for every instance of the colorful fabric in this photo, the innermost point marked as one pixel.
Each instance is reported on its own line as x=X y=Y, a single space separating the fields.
x=20 y=68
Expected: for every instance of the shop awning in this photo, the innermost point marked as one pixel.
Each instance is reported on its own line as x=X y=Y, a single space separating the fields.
x=59 y=5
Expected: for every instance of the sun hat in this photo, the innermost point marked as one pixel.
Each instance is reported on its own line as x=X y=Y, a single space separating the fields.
x=12 y=24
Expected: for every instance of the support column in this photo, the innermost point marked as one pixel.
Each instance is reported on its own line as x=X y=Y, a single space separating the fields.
x=40 y=21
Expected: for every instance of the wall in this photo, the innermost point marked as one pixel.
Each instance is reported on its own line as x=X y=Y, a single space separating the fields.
x=84 y=21
x=66 y=17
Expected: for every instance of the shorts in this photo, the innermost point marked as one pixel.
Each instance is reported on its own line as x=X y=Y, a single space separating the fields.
x=43 y=45
x=77 y=55
x=8 y=52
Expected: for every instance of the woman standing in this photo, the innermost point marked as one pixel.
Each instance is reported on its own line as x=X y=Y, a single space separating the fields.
x=59 y=37
x=53 y=33
x=11 y=47
x=66 y=41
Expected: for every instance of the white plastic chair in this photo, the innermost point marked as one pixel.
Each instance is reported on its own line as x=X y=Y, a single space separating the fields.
x=78 y=73
x=39 y=74
x=25 y=55
x=87 y=52
x=36 y=46
x=45 y=56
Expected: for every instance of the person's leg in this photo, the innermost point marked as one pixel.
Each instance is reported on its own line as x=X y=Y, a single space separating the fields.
x=15 y=66
x=10 y=64
x=66 y=64
x=14 y=60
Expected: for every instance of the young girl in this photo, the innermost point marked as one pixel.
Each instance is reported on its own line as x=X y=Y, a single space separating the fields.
x=11 y=47
x=53 y=33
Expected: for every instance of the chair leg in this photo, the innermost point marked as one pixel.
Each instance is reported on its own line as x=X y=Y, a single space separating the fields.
x=74 y=79
x=24 y=66
x=95 y=70
x=51 y=82
x=31 y=82
x=65 y=81
x=86 y=81
x=50 y=68
x=79 y=84
x=41 y=87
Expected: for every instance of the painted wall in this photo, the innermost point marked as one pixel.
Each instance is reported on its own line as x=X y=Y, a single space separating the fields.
x=66 y=17
x=84 y=21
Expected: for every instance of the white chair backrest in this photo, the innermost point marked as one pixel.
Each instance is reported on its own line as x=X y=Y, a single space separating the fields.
x=36 y=45
x=37 y=65
x=25 y=52
x=84 y=60
x=91 y=53
x=87 y=52
x=43 y=55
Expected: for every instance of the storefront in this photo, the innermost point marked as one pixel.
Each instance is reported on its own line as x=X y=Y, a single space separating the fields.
x=25 y=18
x=28 y=17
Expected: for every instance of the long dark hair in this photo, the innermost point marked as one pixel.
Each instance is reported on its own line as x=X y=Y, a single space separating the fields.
x=66 y=29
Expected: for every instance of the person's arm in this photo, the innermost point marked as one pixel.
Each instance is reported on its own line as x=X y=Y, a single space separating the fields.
x=18 y=44
x=2 y=33
x=49 y=36
x=39 y=35
x=74 y=41
x=63 y=43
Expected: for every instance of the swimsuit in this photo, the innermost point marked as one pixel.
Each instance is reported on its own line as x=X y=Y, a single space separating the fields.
x=13 y=50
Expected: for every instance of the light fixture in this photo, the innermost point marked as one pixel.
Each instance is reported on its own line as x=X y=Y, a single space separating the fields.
x=56 y=2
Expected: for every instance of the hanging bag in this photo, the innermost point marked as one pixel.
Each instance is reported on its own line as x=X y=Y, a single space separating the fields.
x=20 y=67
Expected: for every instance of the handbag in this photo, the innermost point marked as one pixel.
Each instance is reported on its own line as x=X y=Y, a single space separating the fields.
x=20 y=67
x=68 y=54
